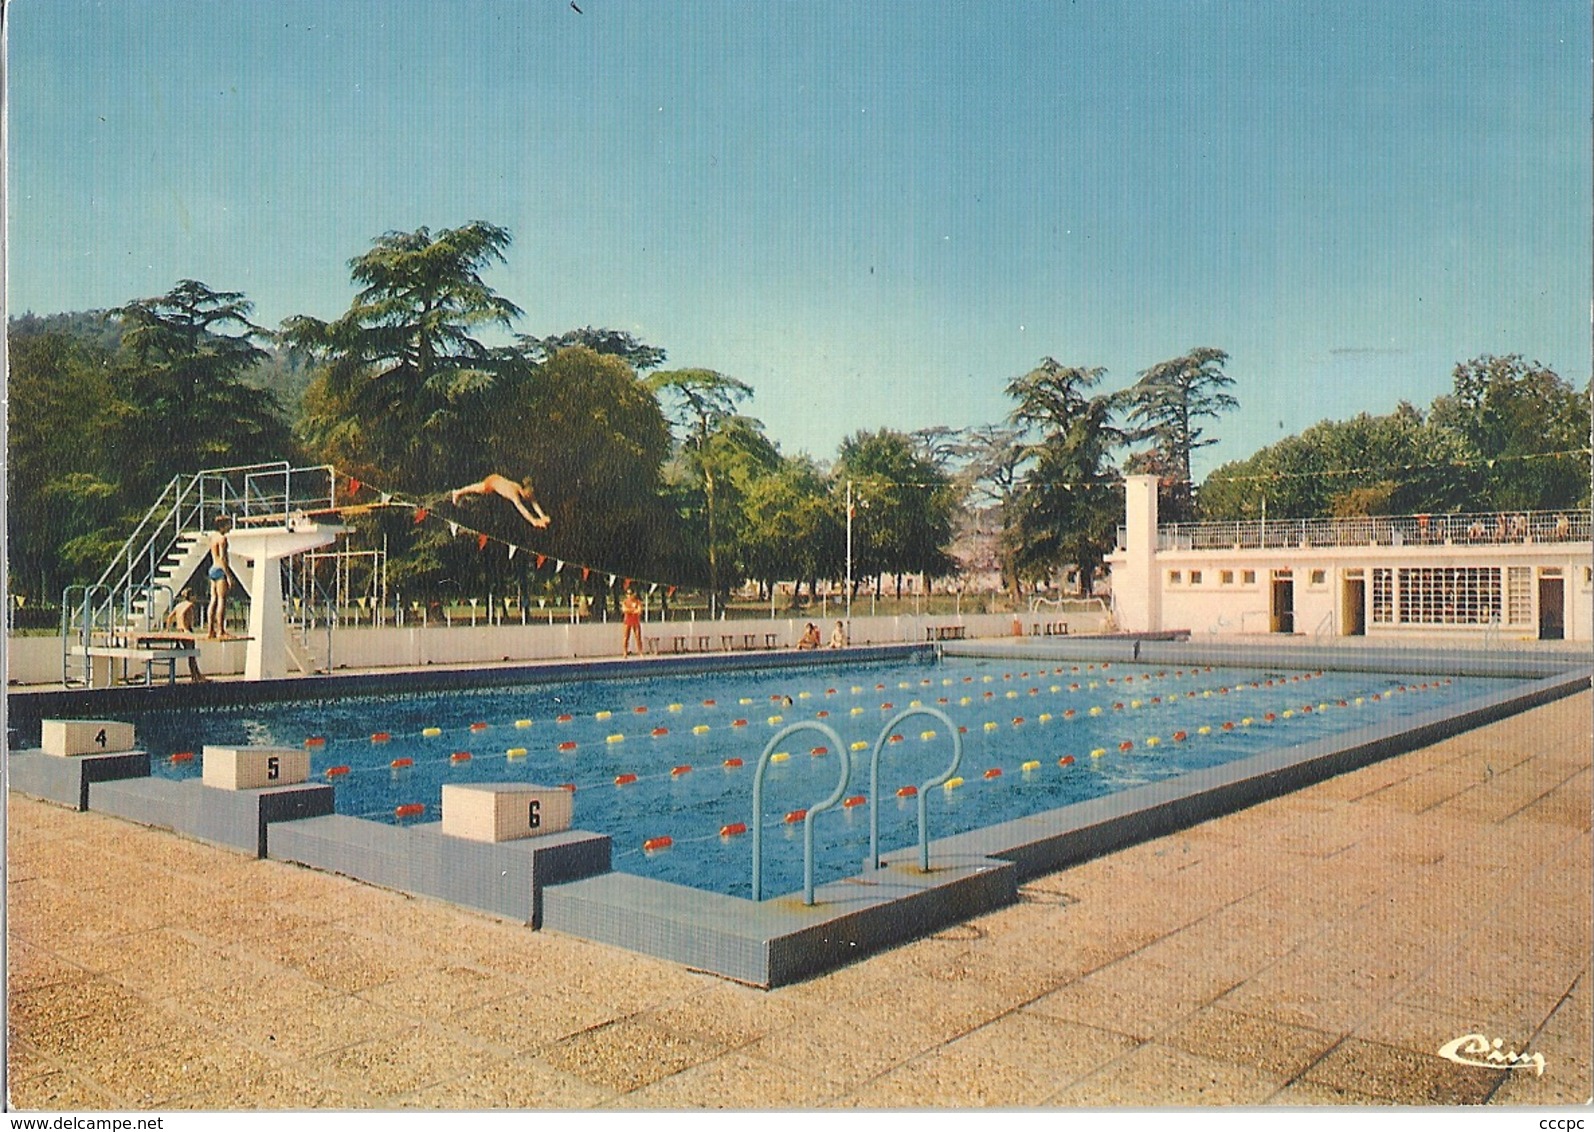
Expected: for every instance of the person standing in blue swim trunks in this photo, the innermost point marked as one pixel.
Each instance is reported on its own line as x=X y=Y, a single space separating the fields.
x=220 y=580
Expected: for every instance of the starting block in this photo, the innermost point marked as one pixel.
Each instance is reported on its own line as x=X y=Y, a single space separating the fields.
x=505 y=811
x=68 y=738
x=254 y=768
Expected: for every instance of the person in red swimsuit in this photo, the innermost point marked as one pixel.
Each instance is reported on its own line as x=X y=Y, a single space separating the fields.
x=631 y=608
x=517 y=494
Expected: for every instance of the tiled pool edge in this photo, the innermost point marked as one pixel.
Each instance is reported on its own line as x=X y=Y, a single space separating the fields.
x=1055 y=839
x=779 y=941
x=24 y=709
x=710 y=932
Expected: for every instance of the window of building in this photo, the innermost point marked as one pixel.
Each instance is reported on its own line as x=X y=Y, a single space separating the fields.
x=1319 y=577
x=1248 y=577
x=1226 y=577
x=1175 y=577
x=1195 y=577
x=1449 y=595
x=1519 y=595
x=1383 y=595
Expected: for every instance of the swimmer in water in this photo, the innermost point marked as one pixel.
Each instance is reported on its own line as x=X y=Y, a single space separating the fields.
x=520 y=496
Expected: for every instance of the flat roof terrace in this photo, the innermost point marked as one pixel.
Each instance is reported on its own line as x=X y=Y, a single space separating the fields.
x=1514 y=528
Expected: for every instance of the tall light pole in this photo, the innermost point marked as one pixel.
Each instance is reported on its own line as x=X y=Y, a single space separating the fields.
x=849 y=556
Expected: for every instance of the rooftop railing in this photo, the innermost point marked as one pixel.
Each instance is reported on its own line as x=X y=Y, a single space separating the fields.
x=1480 y=529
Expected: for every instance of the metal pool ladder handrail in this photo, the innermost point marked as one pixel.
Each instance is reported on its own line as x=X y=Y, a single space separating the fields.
x=874 y=784
x=808 y=820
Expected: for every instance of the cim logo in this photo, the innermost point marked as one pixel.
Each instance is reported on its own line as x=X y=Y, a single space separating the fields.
x=1476 y=1049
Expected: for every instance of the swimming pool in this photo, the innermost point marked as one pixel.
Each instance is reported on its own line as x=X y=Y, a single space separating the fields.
x=673 y=756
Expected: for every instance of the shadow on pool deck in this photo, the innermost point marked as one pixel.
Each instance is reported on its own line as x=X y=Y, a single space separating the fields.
x=1318 y=948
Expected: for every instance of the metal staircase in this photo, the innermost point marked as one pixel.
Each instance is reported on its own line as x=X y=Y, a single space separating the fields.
x=170 y=544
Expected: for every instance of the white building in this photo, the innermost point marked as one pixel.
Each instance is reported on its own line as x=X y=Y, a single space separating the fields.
x=1512 y=576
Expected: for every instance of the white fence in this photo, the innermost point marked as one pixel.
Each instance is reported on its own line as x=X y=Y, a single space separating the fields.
x=37 y=660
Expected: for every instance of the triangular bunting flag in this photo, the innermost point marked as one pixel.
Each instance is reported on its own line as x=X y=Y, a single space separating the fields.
x=541 y=558
x=386 y=498
x=420 y=515
x=354 y=485
x=560 y=566
x=653 y=587
x=512 y=549
x=670 y=592
x=453 y=529
x=611 y=579
x=585 y=573
x=481 y=542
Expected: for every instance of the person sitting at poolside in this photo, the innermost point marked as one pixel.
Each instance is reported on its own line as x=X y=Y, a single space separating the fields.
x=519 y=495
x=181 y=618
x=810 y=637
x=838 y=636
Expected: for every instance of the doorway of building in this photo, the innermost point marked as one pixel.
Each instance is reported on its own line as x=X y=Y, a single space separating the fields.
x=1353 y=608
x=1552 y=609
x=1283 y=611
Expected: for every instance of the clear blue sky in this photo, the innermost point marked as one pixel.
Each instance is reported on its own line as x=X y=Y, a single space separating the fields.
x=875 y=213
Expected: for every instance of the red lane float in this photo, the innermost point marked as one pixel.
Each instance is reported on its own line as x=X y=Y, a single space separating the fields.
x=478 y=727
x=1126 y=745
x=708 y=703
x=894 y=739
x=653 y=843
x=819 y=752
x=568 y=786
x=640 y=710
x=1018 y=721
x=994 y=772
x=397 y=764
x=735 y=829
x=796 y=816
x=563 y=718
x=1066 y=760
x=568 y=745
x=315 y=741
x=459 y=757
x=409 y=810
x=855 y=800
x=1180 y=736
x=732 y=762
x=1228 y=725
x=183 y=757
x=624 y=779
x=907 y=791
x=684 y=768
x=738 y=723
x=660 y=732
x=337 y=771
x=380 y=737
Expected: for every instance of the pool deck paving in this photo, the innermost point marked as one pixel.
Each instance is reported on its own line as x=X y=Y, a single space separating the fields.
x=1315 y=949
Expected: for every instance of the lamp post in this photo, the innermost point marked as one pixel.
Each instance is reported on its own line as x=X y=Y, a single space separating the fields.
x=849 y=556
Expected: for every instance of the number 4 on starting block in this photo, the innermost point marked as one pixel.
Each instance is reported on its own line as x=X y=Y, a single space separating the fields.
x=69 y=737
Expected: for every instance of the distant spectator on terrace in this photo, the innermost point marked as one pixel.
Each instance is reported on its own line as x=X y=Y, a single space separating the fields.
x=1563 y=528
x=1476 y=533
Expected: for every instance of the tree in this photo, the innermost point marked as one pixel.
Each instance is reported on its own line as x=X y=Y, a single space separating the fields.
x=1397 y=463
x=1517 y=415
x=405 y=384
x=186 y=354
x=907 y=503
x=702 y=400
x=1068 y=504
x=794 y=529
x=1165 y=404
x=61 y=468
x=637 y=354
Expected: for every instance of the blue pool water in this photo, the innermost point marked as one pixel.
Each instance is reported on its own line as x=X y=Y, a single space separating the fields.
x=591 y=733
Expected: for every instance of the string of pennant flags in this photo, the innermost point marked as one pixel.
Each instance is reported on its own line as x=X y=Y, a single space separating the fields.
x=421 y=513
